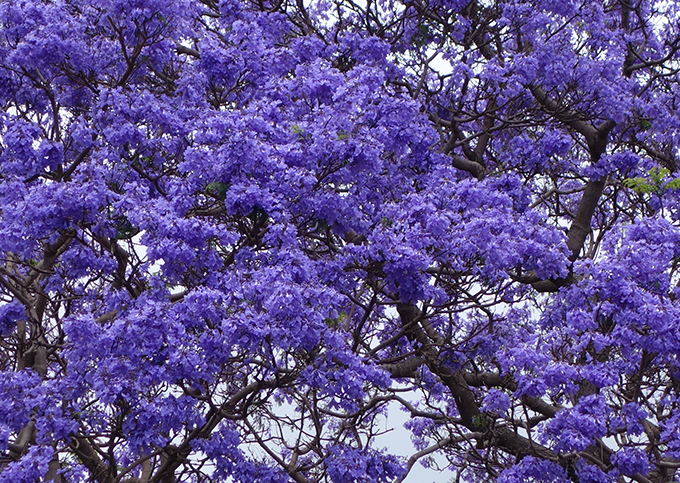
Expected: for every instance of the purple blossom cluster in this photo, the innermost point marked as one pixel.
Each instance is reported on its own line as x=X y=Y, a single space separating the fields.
x=234 y=233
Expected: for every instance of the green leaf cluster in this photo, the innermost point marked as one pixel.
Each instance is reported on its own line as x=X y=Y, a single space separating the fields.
x=125 y=230
x=336 y=322
x=217 y=189
x=653 y=182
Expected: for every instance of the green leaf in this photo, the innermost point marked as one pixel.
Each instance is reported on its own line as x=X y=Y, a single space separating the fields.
x=334 y=323
x=658 y=174
x=673 y=185
x=217 y=189
x=653 y=182
x=125 y=230
x=479 y=421
x=639 y=185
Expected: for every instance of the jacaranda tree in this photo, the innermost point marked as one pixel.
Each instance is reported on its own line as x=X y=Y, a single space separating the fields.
x=235 y=234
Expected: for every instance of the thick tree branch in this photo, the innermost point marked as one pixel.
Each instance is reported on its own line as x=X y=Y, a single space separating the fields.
x=405 y=368
x=564 y=115
x=90 y=459
x=181 y=49
x=475 y=169
x=471 y=416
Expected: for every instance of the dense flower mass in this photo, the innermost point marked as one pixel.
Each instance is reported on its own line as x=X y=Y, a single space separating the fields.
x=235 y=234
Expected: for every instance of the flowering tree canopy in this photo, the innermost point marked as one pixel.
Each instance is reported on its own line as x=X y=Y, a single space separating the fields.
x=234 y=233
